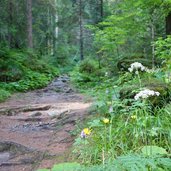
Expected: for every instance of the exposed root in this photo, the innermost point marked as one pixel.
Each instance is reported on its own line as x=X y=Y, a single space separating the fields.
x=14 y=110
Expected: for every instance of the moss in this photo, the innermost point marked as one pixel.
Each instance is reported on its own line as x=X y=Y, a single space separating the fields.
x=129 y=91
x=162 y=88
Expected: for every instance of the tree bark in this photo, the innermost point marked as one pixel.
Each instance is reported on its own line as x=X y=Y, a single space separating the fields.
x=81 y=30
x=153 y=46
x=10 y=34
x=29 y=25
x=101 y=10
x=168 y=24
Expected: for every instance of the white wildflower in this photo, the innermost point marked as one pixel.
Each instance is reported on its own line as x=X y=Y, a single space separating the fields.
x=136 y=72
x=136 y=66
x=130 y=69
x=111 y=109
x=145 y=94
x=107 y=91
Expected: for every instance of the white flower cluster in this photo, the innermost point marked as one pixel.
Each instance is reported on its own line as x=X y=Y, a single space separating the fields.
x=146 y=93
x=136 y=66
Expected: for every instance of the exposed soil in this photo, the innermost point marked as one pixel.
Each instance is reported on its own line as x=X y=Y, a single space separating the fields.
x=36 y=127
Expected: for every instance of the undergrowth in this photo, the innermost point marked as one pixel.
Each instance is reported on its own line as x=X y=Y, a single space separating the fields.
x=22 y=71
x=130 y=162
x=124 y=126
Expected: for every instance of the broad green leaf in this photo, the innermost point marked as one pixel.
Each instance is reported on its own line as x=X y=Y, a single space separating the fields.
x=153 y=150
x=66 y=167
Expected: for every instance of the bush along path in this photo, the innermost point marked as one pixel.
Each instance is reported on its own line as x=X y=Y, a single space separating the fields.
x=36 y=127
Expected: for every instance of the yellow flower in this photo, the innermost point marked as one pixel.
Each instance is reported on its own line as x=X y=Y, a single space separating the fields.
x=106 y=120
x=86 y=131
x=133 y=117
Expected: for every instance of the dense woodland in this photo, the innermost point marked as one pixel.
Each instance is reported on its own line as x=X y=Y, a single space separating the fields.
x=118 y=52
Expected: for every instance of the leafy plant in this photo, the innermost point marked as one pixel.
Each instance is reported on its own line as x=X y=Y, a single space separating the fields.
x=4 y=94
x=130 y=162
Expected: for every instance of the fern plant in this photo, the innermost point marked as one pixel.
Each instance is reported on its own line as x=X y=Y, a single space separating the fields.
x=131 y=162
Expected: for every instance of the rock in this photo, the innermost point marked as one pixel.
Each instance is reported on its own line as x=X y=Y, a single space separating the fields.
x=125 y=63
x=153 y=84
x=4 y=147
x=4 y=157
x=36 y=114
x=69 y=90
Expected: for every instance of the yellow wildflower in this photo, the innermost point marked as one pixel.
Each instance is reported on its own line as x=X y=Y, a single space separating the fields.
x=106 y=120
x=133 y=117
x=87 y=131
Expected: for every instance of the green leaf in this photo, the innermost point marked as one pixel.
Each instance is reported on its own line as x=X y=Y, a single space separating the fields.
x=153 y=150
x=66 y=167
x=95 y=123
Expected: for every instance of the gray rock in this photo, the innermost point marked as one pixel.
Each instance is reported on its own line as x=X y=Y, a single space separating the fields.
x=4 y=157
x=36 y=114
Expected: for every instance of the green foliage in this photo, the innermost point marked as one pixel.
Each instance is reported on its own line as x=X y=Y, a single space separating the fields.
x=15 y=64
x=4 y=94
x=146 y=122
x=112 y=139
x=153 y=150
x=163 y=47
x=87 y=74
x=135 y=126
x=22 y=71
x=126 y=33
x=66 y=166
x=88 y=66
x=131 y=162
x=31 y=81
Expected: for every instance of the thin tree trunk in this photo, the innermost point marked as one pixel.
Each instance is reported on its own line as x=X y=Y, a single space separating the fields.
x=55 y=28
x=48 y=32
x=81 y=30
x=153 y=47
x=10 y=34
x=168 y=24
x=29 y=24
x=101 y=10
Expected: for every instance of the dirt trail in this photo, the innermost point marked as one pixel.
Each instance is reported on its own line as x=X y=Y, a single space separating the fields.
x=35 y=127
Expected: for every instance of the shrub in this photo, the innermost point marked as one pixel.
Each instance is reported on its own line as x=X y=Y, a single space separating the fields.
x=15 y=64
x=4 y=94
x=88 y=66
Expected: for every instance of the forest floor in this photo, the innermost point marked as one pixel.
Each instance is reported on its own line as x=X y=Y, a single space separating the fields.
x=36 y=127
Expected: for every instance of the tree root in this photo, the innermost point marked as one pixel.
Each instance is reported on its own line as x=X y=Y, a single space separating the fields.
x=13 y=111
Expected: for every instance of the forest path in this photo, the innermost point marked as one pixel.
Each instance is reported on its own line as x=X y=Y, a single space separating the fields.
x=36 y=127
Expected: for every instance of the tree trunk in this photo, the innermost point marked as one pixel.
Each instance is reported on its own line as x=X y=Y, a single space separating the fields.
x=48 y=32
x=153 y=46
x=81 y=30
x=101 y=10
x=10 y=34
x=29 y=24
x=168 y=24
